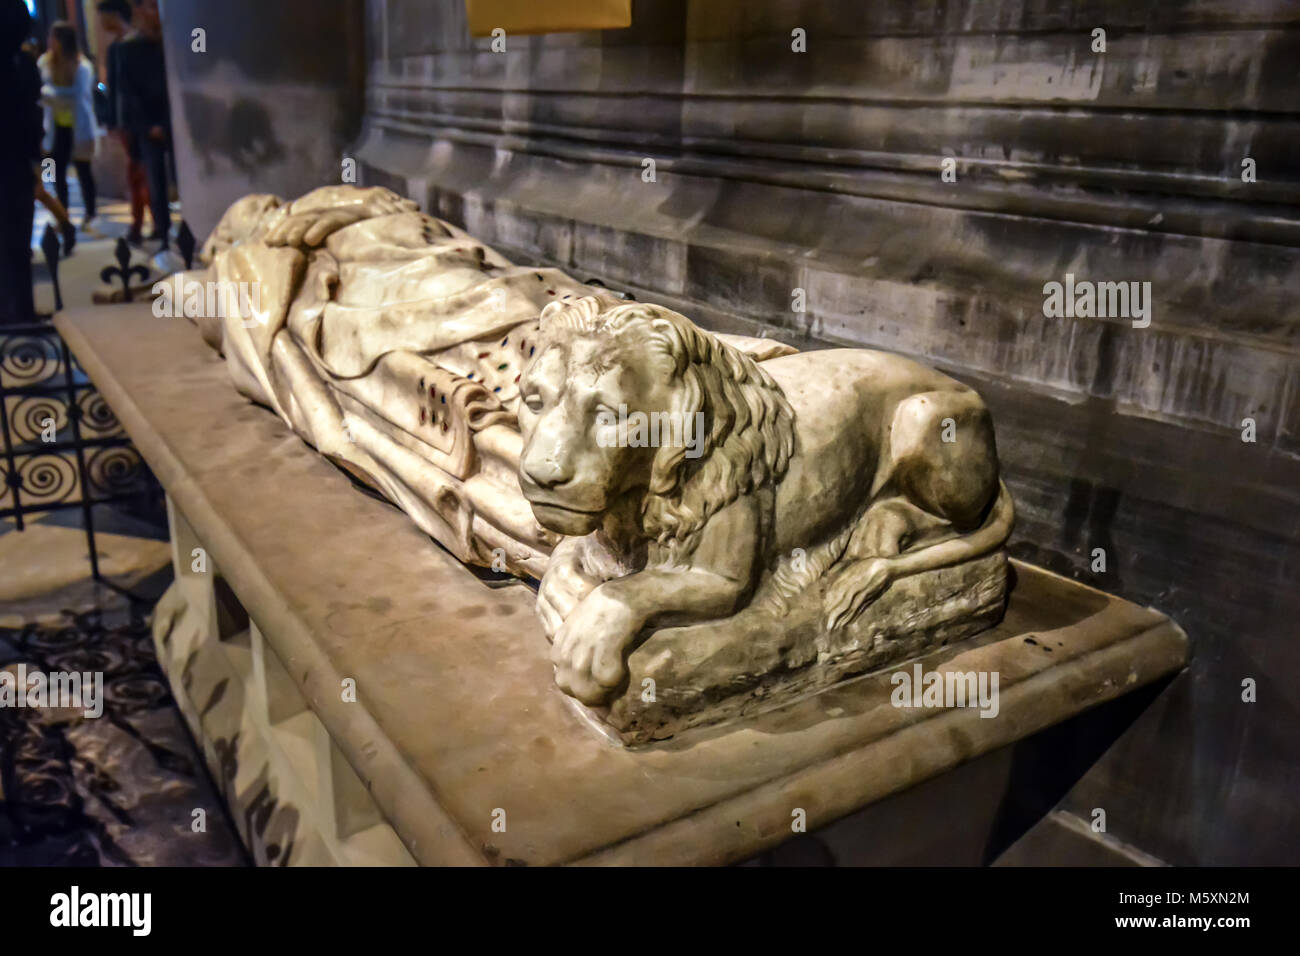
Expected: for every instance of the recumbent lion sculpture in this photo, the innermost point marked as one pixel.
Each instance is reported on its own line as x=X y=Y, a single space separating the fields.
x=686 y=578
x=854 y=466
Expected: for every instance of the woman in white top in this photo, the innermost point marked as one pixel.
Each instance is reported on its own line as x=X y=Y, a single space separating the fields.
x=67 y=93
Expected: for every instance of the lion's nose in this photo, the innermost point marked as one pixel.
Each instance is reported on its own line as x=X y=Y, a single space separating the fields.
x=545 y=472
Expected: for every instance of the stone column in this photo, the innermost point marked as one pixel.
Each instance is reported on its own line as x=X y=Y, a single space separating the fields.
x=266 y=103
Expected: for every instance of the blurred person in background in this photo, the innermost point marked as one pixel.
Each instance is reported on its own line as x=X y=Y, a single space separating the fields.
x=68 y=96
x=20 y=120
x=142 y=109
x=115 y=20
x=43 y=196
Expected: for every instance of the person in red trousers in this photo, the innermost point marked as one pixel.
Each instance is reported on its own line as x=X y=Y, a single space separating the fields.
x=115 y=19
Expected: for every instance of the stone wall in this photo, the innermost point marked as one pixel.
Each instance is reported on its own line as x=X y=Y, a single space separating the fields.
x=269 y=105
x=777 y=171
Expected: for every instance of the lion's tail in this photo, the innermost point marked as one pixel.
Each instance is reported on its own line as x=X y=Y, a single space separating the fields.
x=797 y=572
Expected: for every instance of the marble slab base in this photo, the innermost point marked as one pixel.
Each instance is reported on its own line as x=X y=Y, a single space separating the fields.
x=455 y=730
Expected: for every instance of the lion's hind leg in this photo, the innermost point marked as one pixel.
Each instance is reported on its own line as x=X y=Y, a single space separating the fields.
x=890 y=527
x=943 y=475
x=943 y=456
x=887 y=529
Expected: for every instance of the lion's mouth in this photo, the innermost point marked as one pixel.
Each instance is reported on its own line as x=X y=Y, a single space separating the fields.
x=540 y=497
x=565 y=519
x=567 y=509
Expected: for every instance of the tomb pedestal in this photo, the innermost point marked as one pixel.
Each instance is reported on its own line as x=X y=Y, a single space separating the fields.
x=361 y=696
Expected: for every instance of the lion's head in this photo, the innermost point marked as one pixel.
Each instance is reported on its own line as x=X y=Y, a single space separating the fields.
x=631 y=402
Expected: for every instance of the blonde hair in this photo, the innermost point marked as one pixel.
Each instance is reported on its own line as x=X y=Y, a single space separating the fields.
x=64 y=56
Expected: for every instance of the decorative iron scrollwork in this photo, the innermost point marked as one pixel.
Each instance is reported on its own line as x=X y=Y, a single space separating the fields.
x=45 y=479
x=37 y=418
x=113 y=469
x=62 y=445
x=96 y=415
x=27 y=360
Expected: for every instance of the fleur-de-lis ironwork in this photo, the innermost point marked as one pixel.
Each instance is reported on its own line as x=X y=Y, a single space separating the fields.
x=185 y=243
x=50 y=249
x=124 y=270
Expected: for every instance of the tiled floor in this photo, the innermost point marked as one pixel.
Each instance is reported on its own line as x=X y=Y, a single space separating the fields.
x=118 y=790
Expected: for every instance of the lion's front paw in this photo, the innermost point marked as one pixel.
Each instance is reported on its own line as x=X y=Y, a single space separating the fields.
x=853 y=589
x=564 y=584
x=590 y=648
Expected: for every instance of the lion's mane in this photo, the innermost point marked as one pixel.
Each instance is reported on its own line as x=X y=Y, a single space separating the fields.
x=748 y=423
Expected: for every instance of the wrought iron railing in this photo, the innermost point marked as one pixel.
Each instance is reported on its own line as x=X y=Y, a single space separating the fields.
x=63 y=446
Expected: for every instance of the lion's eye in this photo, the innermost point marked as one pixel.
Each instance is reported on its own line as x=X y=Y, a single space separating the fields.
x=533 y=402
